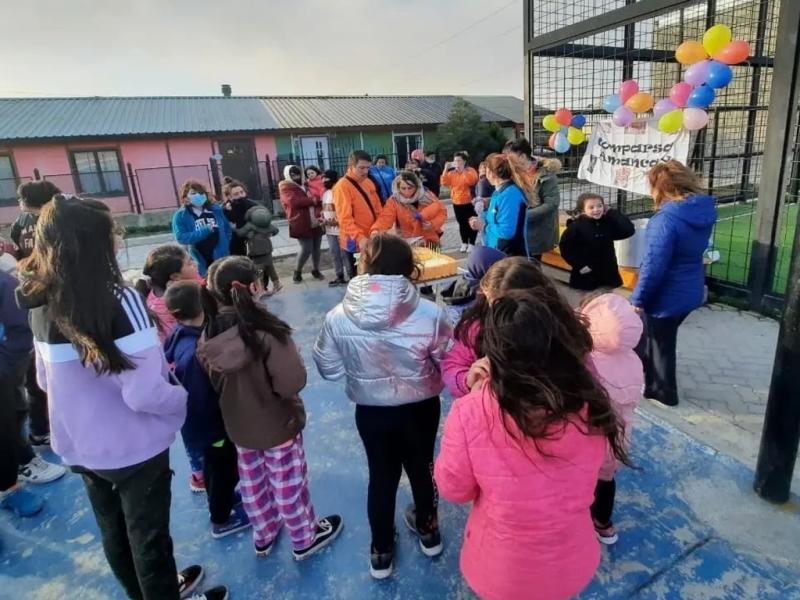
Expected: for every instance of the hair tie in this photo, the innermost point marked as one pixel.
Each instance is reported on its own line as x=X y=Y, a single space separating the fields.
x=238 y=285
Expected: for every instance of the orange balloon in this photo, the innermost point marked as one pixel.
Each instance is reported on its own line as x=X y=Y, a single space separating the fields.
x=640 y=102
x=690 y=52
x=734 y=53
x=563 y=116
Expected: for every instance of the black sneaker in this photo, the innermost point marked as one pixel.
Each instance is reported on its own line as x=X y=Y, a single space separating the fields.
x=265 y=549
x=381 y=564
x=337 y=282
x=219 y=592
x=328 y=530
x=318 y=276
x=297 y=277
x=188 y=579
x=39 y=441
x=431 y=542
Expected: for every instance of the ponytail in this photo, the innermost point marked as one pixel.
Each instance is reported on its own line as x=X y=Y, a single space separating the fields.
x=509 y=167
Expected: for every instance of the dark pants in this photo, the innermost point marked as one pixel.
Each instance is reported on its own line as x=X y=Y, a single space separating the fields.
x=463 y=214
x=397 y=438
x=603 y=505
x=349 y=263
x=131 y=506
x=221 y=474
x=309 y=247
x=657 y=350
x=37 y=402
x=266 y=265
x=14 y=447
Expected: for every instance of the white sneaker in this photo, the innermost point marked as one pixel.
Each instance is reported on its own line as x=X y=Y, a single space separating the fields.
x=470 y=248
x=463 y=247
x=40 y=471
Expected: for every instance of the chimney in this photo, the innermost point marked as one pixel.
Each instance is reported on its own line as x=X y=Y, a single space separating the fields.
x=226 y=90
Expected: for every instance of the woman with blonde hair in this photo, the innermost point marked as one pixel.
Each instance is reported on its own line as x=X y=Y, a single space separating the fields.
x=672 y=275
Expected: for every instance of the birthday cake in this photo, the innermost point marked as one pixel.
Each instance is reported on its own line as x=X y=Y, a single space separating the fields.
x=434 y=265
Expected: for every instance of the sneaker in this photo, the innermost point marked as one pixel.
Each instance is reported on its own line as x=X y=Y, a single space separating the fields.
x=328 y=529
x=40 y=471
x=39 y=441
x=238 y=521
x=197 y=483
x=606 y=533
x=318 y=276
x=21 y=502
x=662 y=401
x=463 y=248
x=470 y=248
x=262 y=551
x=188 y=579
x=337 y=282
x=430 y=543
x=297 y=277
x=219 y=592
x=381 y=564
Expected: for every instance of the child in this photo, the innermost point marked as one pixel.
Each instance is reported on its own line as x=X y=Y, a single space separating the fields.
x=203 y=431
x=253 y=363
x=525 y=448
x=235 y=206
x=99 y=358
x=314 y=182
x=331 y=223
x=258 y=230
x=587 y=243
x=616 y=330
x=461 y=294
x=483 y=193
x=387 y=342
x=201 y=224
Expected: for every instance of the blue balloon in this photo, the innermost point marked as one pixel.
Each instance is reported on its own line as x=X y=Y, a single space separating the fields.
x=612 y=103
x=719 y=74
x=701 y=97
x=578 y=121
x=562 y=143
x=564 y=130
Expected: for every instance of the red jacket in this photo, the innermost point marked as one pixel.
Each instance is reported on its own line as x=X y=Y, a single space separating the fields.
x=299 y=206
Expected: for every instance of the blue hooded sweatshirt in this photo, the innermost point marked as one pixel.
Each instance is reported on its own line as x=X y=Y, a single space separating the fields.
x=204 y=425
x=16 y=339
x=672 y=274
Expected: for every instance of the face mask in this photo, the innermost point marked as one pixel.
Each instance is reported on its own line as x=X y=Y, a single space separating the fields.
x=197 y=199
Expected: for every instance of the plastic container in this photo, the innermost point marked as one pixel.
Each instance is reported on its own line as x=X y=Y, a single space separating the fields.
x=630 y=252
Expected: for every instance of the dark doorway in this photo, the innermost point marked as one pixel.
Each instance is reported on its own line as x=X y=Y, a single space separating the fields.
x=404 y=145
x=239 y=162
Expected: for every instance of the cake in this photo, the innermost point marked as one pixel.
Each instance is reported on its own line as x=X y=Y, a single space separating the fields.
x=434 y=265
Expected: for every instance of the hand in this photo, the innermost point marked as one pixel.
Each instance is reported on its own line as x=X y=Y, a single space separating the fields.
x=373 y=233
x=362 y=243
x=585 y=271
x=427 y=226
x=476 y=223
x=478 y=372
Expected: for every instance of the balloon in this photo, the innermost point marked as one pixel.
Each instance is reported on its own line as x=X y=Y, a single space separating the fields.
x=662 y=107
x=623 y=116
x=694 y=119
x=679 y=93
x=640 y=102
x=550 y=123
x=552 y=141
x=575 y=136
x=563 y=116
x=701 y=97
x=564 y=129
x=733 y=53
x=561 y=143
x=719 y=74
x=578 y=121
x=690 y=52
x=611 y=103
x=697 y=73
x=716 y=38
x=627 y=89
x=671 y=122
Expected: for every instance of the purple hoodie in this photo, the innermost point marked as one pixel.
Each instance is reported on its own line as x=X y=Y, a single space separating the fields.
x=109 y=421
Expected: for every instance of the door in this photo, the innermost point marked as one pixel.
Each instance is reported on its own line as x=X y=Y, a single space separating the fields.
x=239 y=162
x=404 y=145
x=314 y=151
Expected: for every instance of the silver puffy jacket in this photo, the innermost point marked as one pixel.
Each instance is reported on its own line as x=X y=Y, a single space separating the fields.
x=386 y=341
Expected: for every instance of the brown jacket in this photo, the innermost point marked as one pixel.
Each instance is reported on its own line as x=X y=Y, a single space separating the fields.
x=259 y=399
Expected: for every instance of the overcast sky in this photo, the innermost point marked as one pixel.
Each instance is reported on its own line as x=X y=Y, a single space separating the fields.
x=260 y=47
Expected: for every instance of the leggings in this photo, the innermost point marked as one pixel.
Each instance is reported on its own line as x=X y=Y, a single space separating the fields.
x=309 y=247
x=463 y=214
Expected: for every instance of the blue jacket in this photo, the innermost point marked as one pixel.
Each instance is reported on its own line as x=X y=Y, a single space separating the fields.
x=204 y=425
x=672 y=274
x=506 y=225
x=185 y=233
x=384 y=177
x=16 y=339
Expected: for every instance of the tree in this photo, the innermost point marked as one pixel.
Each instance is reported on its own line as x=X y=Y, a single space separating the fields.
x=466 y=130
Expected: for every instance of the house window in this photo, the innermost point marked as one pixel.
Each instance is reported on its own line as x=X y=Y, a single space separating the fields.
x=8 y=183
x=98 y=172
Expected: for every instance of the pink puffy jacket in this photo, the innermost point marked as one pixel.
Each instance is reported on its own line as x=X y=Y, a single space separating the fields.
x=616 y=329
x=529 y=533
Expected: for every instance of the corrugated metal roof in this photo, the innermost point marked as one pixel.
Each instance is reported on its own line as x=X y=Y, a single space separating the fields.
x=510 y=107
x=49 y=118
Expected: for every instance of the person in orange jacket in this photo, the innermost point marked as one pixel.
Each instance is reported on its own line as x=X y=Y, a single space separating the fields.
x=415 y=211
x=461 y=179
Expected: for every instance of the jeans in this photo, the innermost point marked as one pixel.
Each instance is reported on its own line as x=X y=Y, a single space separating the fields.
x=309 y=247
x=221 y=474
x=657 y=349
x=464 y=212
x=14 y=447
x=337 y=254
x=397 y=438
x=131 y=506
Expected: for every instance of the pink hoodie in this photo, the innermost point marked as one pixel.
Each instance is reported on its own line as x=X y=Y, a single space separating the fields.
x=616 y=329
x=456 y=364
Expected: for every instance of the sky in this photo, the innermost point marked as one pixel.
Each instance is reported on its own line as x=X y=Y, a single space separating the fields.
x=260 y=47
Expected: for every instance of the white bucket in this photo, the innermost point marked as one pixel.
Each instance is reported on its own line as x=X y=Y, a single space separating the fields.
x=630 y=252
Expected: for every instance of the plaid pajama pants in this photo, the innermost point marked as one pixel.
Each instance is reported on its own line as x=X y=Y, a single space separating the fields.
x=274 y=488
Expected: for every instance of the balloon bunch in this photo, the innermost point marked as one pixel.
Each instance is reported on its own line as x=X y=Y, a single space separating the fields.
x=567 y=129
x=709 y=70
x=627 y=103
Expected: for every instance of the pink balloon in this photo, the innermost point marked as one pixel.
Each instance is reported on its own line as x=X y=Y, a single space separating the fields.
x=679 y=93
x=697 y=73
x=694 y=119
x=662 y=107
x=627 y=89
x=622 y=117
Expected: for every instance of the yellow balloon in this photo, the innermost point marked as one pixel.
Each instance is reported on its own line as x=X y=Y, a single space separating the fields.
x=550 y=123
x=716 y=38
x=575 y=136
x=690 y=52
x=671 y=122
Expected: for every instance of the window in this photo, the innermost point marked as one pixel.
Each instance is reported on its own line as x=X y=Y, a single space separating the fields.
x=8 y=183
x=98 y=172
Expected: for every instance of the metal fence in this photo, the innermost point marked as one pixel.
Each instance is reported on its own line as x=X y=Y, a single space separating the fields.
x=577 y=53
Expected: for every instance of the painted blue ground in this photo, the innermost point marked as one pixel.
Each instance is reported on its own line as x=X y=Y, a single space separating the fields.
x=664 y=551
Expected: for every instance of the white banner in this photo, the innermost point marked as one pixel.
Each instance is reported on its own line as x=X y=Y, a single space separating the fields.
x=620 y=157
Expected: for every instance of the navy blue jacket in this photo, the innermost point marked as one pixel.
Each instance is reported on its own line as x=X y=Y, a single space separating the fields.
x=672 y=274
x=203 y=425
x=16 y=339
x=183 y=228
